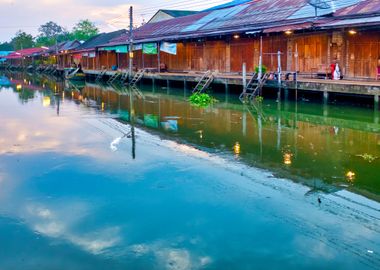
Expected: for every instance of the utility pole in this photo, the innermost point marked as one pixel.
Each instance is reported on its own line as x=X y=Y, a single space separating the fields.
x=130 y=40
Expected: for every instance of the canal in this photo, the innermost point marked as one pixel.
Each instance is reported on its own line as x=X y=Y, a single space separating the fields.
x=104 y=177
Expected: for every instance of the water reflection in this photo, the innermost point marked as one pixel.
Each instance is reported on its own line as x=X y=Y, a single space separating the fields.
x=304 y=141
x=289 y=138
x=127 y=194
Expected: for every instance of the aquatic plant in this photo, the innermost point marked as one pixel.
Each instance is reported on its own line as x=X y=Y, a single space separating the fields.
x=368 y=157
x=264 y=69
x=201 y=100
x=259 y=99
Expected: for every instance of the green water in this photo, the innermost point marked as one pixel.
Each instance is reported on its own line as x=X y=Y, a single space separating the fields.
x=99 y=177
x=325 y=147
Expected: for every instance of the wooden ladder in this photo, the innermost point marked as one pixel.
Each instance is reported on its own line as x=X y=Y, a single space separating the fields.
x=138 y=76
x=101 y=75
x=204 y=82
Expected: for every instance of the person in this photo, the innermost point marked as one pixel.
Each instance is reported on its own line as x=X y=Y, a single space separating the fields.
x=79 y=67
x=332 y=69
x=163 y=67
x=337 y=72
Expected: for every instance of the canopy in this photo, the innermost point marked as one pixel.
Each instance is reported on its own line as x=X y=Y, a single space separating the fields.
x=118 y=49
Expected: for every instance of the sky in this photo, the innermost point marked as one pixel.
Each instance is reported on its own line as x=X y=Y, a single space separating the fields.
x=109 y=15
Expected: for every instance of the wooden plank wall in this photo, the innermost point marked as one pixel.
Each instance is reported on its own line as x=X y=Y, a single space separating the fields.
x=358 y=55
x=312 y=52
x=363 y=54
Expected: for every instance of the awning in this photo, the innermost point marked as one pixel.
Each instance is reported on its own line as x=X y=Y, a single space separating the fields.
x=118 y=49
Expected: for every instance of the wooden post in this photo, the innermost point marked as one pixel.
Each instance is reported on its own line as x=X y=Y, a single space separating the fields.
x=261 y=59
x=158 y=57
x=347 y=71
x=142 y=58
x=244 y=75
x=279 y=67
x=228 y=57
x=376 y=100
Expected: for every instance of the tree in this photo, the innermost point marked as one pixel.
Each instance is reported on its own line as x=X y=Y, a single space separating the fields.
x=22 y=40
x=84 y=30
x=6 y=46
x=49 y=34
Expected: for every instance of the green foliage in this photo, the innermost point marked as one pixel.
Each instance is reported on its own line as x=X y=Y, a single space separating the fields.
x=263 y=68
x=84 y=30
x=201 y=100
x=22 y=40
x=51 y=33
x=50 y=30
x=259 y=99
x=6 y=46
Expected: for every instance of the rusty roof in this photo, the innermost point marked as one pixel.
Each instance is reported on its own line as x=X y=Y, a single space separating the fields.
x=239 y=17
x=255 y=15
x=361 y=8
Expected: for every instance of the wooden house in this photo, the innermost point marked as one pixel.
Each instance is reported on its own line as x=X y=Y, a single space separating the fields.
x=223 y=39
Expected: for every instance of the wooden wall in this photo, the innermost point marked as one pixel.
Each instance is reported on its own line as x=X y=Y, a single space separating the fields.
x=358 y=55
x=313 y=52
x=363 y=54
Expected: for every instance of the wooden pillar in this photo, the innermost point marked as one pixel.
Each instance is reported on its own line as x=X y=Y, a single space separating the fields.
x=228 y=56
x=289 y=60
x=329 y=44
x=347 y=64
x=107 y=61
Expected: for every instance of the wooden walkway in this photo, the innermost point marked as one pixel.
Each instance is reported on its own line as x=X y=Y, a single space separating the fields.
x=367 y=88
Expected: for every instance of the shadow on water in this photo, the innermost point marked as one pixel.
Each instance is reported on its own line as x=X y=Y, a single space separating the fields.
x=327 y=147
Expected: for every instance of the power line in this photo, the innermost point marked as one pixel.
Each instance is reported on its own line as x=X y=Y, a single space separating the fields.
x=184 y=4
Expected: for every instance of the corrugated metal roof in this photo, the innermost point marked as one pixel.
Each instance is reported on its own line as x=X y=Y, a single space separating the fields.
x=353 y=22
x=288 y=28
x=256 y=15
x=178 y=13
x=229 y=4
x=309 y=11
x=252 y=14
x=364 y=7
x=99 y=40
x=25 y=53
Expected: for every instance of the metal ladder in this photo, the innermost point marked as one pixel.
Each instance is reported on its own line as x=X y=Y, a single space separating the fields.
x=251 y=90
x=101 y=75
x=124 y=77
x=135 y=91
x=250 y=87
x=204 y=82
x=114 y=77
x=138 y=76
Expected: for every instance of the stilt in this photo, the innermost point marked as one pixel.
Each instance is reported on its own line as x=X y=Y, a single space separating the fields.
x=244 y=75
x=376 y=109
x=376 y=100
x=286 y=93
x=325 y=97
x=227 y=92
